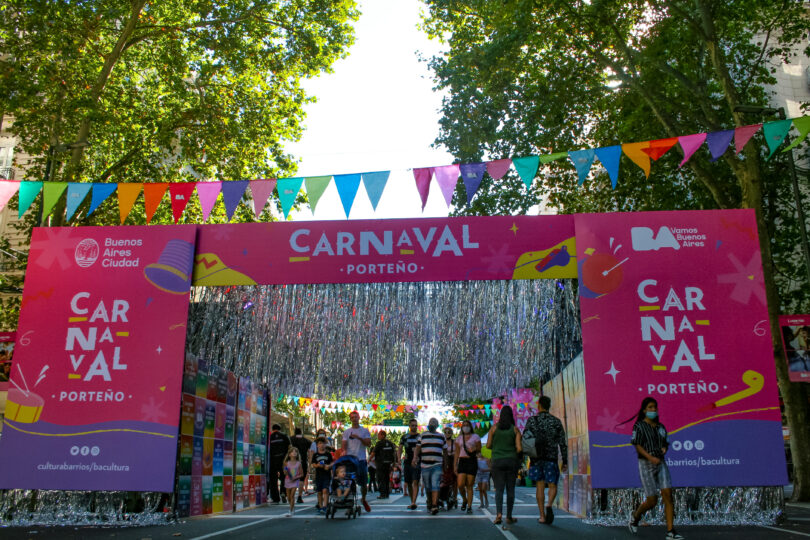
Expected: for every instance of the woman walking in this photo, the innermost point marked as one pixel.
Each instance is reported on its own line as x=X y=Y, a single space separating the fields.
x=468 y=444
x=504 y=441
x=650 y=440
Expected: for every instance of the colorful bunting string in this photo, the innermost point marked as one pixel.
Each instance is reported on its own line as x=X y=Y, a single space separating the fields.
x=447 y=176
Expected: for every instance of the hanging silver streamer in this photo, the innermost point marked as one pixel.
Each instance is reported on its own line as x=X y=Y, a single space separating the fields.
x=693 y=506
x=453 y=340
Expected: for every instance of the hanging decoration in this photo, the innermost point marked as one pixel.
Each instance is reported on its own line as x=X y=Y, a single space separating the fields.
x=446 y=176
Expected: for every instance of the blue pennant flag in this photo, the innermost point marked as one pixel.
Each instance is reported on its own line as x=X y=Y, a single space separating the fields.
x=347 y=186
x=610 y=157
x=582 y=160
x=100 y=193
x=375 y=184
x=472 y=174
x=76 y=192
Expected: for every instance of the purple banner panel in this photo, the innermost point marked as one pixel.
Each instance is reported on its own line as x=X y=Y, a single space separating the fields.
x=95 y=385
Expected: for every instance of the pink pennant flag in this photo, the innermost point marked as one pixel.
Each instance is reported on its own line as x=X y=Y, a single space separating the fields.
x=261 y=190
x=208 y=192
x=743 y=134
x=447 y=177
x=690 y=144
x=422 y=177
x=498 y=168
x=7 y=190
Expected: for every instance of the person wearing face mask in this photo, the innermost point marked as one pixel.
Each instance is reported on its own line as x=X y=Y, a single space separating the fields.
x=407 y=450
x=549 y=436
x=468 y=444
x=650 y=441
x=430 y=450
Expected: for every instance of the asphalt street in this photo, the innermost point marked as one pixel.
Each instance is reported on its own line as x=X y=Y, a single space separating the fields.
x=391 y=519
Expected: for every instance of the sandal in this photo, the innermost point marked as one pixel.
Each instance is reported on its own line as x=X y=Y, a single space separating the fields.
x=497 y=520
x=511 y=520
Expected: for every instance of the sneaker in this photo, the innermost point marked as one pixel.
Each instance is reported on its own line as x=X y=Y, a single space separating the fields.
x=469 y=509
x=300 y=500
x=288 y=514
x=366 y=506
x=434 y=511
x=463 y=506
x=673 y=535
x=633 y=525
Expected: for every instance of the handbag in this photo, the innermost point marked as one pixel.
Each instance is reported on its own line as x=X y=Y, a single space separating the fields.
x=530 y=440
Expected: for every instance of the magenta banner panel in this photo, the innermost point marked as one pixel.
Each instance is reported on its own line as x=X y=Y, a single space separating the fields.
x=673 y=307
x=94 y=397
x=796 y=342
x=441 y=249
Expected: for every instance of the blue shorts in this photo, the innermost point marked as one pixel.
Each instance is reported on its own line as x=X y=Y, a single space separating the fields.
x=432 y=478
x=545 y=471
x=322 y=483
x=411 y=473
x=362 y=473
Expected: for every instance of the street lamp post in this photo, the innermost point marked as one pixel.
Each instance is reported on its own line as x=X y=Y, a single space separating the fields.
x=780 y=112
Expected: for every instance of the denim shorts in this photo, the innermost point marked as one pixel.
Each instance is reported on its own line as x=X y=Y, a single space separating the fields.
x=544 y=471
x=654 y=477
x=432 y=477
x=362 y=472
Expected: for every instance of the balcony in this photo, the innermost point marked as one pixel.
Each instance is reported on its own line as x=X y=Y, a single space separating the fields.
x=7 y=173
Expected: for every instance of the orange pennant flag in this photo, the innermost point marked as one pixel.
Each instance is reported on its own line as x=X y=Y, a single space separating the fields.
x=127 y=194
x=636 y=153
x=659 y=147
x=152 y=195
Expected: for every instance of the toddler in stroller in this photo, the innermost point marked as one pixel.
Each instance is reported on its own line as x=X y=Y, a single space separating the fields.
x=396 y=479
x=343 y=495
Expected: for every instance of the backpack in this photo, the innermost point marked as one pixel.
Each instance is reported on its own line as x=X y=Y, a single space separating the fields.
x=387 y=453
x=530 y=440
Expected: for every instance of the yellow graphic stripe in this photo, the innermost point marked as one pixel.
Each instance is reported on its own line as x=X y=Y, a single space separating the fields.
x=702 y=322
x=6 y=422
x=122 y=334
x=659 y=368
x=406 y=252
x=299 y=259
x=74 y=376
x=694 y=424
x=649 y=308
x=77 y=319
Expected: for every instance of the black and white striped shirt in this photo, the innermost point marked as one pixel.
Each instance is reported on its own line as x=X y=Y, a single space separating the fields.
x=430 y=446
x=651 y=438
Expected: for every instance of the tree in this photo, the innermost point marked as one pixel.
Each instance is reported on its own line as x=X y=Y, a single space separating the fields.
x=536 y=76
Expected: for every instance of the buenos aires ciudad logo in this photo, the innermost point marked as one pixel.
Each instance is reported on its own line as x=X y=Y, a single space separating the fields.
x=86 y=252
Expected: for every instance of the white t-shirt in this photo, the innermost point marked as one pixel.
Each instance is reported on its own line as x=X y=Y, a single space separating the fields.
x=355 y=447
x=472 y=442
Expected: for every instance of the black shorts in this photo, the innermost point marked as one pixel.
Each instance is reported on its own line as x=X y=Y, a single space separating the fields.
x=322 y=482
x=412 y=474
x=468 y=465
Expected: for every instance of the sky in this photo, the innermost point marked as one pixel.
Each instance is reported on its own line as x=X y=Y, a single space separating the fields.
x=376 y=111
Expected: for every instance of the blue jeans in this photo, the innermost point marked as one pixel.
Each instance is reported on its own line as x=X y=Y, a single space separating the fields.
x=432 y=477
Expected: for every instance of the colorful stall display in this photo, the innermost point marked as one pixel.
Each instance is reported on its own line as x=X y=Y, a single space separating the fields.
x=6 y=353
x=673 y=306
x=796 y=342
x=250 y=466
x=205 y=474
x=98 y=365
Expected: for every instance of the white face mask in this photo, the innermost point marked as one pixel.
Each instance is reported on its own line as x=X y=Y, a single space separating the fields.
x=465 y=429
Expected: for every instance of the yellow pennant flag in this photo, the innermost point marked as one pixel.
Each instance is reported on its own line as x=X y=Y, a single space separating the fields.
x=127 y=193
x=635 y=151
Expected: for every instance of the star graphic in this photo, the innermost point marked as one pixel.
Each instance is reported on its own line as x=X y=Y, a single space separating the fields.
x=514 y=228
x=159 y=350
x=56 y=247
x=612 y=372
x=743 y=280
x=607 y=421
x=498 y=262
x=152 y=411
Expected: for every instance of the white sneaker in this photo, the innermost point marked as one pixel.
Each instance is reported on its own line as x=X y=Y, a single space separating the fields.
x=288 y=514
x=632 y=525
x=673 y=535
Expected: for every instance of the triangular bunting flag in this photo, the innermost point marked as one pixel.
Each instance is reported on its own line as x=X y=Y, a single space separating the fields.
x=718 y=142
x=347 y=186
x=659 y=147
x=635 y=151
x=496 y=169
x=582 y=160
x=99 y=194
x=315 y=186
x=50 y=195
x=743 y=134
x=207 y=193
x=803 y=125
x=76 y=193
x=527 y=168
x=7 y=191
x=472 y=174
x=127 y=195
x=775 y=133
x=261 y=191
x=232 y=194
x=690 y=144
x=552 y=157
x=180 y=194
x=375 y=184
x=447 y=178
x=28 y=192
x=610 y=156
x=422 y=177
x=288 y=189
x=152 y=196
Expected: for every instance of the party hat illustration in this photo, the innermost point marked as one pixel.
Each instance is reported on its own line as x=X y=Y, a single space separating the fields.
x=172 y=272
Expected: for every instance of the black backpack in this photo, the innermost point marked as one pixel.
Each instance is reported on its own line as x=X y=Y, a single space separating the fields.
x=387 y=453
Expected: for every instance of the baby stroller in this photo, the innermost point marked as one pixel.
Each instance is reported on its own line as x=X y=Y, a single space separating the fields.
x=349 y=503
x=396 y=481
x=447 y=490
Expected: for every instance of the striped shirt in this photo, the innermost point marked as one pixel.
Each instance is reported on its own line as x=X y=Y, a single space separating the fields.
x=652 y=438
x=431 y=445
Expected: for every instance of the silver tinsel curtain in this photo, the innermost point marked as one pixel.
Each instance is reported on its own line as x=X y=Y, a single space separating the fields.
x=451 y=340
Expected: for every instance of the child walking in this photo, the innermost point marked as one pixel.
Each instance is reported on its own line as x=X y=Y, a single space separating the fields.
x=482 y=479
x=293 y=474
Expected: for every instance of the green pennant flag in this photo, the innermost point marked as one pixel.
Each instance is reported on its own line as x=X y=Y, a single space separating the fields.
x=316 y=185
x=803 y=125
x=527 y=168
x=28 y=192
x=50 y=195
x=775 y=133
x=552 y=157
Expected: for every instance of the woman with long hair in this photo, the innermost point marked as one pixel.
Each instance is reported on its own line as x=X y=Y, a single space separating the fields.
x=468 y=444
x=650 y=441
x=504 y=441
x=293 y=474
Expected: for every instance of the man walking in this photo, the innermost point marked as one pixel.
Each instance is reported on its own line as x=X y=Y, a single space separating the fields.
x=431 y=451
x=385 y=453
x=302 y=444
x=412 y=472
x=549 y=436
x=355 y=441
x=279 y=444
